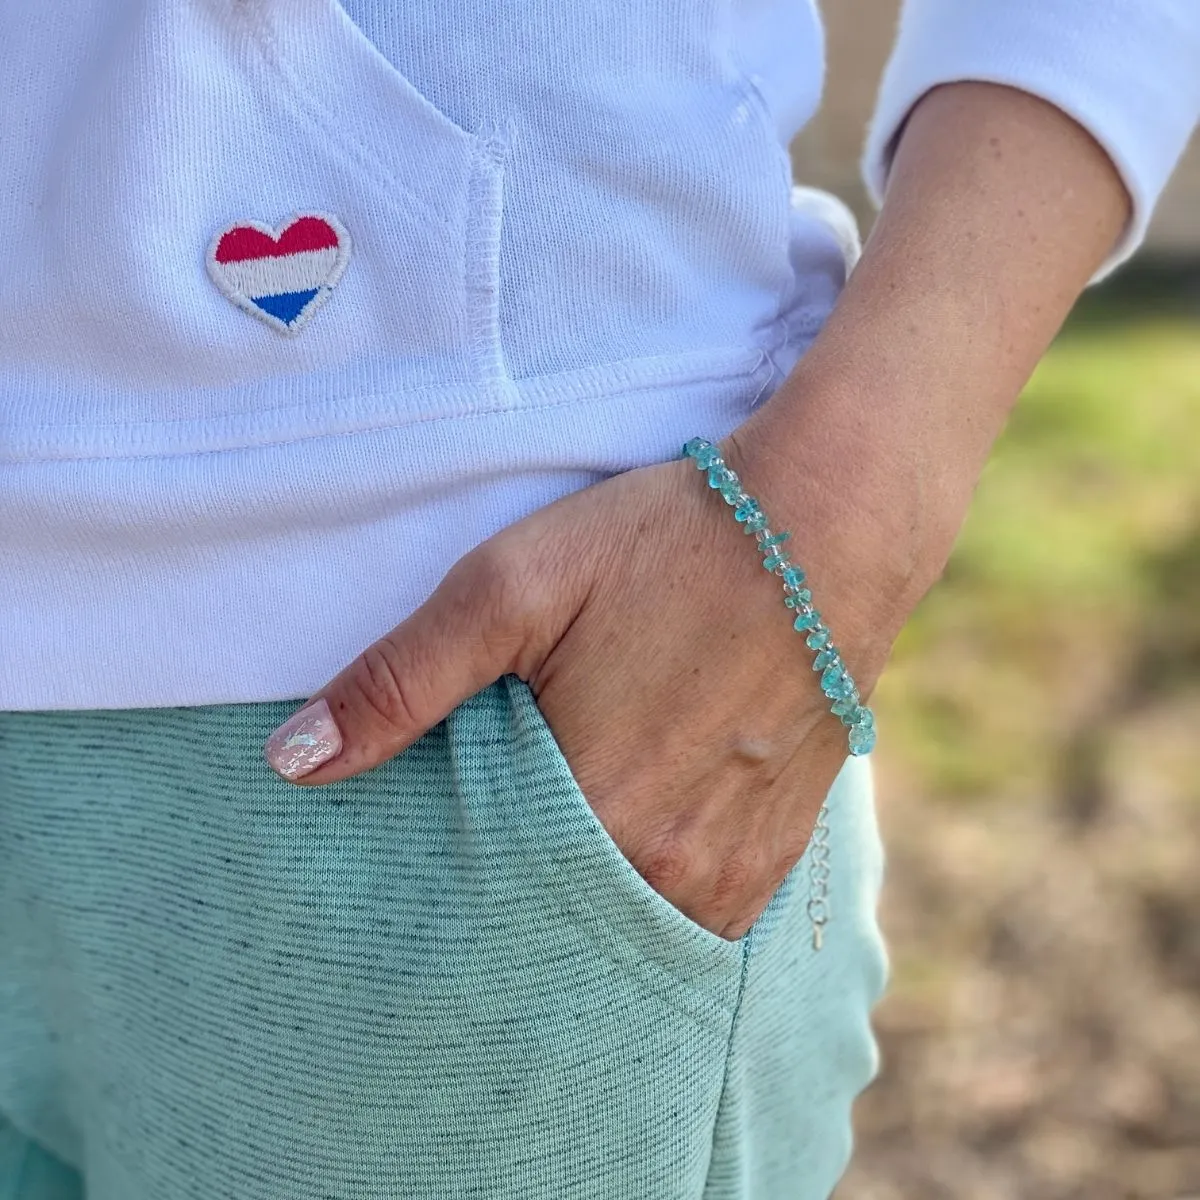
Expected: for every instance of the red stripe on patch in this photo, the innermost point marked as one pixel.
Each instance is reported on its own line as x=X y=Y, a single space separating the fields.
x=243 y=242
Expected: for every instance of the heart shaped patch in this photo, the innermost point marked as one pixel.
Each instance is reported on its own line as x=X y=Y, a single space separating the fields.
x=282 y=277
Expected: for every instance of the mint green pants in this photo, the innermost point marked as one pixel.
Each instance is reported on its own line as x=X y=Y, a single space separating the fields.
x=441 y=979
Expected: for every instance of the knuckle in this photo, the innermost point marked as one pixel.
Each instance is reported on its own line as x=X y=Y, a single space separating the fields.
x=736 y=877
x=666 y=866
x=377 y=681
x=511 y=606
x=498 y=586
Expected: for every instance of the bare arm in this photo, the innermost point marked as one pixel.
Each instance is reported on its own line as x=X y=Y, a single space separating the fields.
x=661 y=659
x=998 y=211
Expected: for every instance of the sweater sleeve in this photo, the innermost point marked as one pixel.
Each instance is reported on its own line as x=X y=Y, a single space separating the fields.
x=1127 y=70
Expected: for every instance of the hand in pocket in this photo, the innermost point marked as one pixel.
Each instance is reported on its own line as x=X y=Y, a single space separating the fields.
x=664 y=663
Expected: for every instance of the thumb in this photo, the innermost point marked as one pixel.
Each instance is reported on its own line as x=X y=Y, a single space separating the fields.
x=484 y=619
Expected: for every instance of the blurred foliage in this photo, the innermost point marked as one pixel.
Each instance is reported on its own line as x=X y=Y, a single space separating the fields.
x=1039 y=785
x=1083 y=536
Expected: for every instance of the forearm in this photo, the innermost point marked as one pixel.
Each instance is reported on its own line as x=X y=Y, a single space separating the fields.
x=998 y=211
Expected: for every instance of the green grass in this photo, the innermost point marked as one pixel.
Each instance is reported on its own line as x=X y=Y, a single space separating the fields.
x=1079 y=562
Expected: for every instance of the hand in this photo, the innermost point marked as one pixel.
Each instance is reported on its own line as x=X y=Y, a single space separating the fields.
x=664 y=661
x=657 y=648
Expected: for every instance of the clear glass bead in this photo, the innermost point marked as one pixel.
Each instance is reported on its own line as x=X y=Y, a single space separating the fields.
x=767 y=539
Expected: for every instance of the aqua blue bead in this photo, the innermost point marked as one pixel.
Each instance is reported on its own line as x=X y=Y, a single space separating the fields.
x=709 y=458
x=847 y=719
x=775 y=560
x=862 y=739
x=756 y=522
x=817 y=639
x=693 y=446
x=834 y=682
x=745 y=511
x=731 y=491
x=847 y=706
x=865 y=717
x=793 y=576
x=806 y=620
x=796 y=599
x=776 y=539
x=825 y=659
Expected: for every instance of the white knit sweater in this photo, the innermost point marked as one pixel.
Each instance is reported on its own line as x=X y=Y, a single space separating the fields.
x=537 y=243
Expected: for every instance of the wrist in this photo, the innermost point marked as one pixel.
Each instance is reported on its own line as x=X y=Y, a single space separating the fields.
x=871 y=523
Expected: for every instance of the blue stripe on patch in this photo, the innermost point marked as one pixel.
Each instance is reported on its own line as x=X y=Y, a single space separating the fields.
x=287 y=306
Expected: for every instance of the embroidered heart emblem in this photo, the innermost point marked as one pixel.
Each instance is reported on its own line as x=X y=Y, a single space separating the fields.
x=280 y=278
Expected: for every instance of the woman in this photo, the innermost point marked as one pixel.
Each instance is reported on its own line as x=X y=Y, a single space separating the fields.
x=306 y=306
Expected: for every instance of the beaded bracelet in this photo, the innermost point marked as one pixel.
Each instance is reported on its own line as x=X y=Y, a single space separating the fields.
x=836 y=682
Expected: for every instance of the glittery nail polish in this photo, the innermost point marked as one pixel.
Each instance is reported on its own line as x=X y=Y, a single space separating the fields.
x=304 y=741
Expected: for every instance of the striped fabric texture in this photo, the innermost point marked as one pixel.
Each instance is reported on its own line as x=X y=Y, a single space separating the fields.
x=442 y=979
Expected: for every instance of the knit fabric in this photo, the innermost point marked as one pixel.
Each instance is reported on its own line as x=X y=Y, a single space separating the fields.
x=573 y=248
x=440 y=979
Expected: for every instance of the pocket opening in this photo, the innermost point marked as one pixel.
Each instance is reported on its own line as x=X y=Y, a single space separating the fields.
x=573 y=849
x=364 y=106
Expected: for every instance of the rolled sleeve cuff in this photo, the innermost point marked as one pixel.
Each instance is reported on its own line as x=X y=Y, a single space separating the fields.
x=1128 y=72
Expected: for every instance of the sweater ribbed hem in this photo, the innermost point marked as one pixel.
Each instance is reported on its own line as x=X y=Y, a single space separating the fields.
x=256 y=573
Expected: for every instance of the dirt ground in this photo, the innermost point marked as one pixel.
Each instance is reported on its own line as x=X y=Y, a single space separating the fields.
x=1039 y=786
x=1042 y=1037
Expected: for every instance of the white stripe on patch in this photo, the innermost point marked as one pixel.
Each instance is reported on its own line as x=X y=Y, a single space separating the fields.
x=273 y=276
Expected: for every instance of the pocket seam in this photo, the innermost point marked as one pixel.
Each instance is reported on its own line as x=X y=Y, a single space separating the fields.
x=652 y=973
x=580 y=909
x=481 y=250
x=696 y=929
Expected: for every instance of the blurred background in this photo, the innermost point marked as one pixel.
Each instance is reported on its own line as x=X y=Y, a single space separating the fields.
x=1039 y=759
